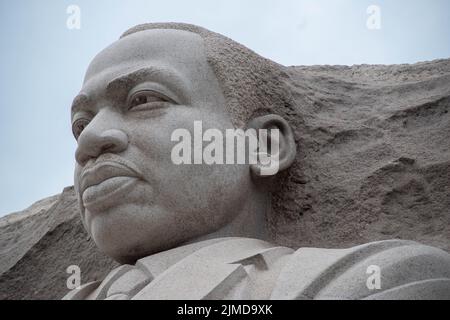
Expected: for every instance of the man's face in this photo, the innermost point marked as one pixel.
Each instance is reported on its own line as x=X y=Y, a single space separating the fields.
x=134 y=201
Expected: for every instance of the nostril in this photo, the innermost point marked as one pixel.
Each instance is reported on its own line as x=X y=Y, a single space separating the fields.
x=81 y=157
x=107 y=147
x=91 y=144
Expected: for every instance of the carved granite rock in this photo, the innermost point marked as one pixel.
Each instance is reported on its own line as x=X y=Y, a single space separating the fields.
x=373 y=163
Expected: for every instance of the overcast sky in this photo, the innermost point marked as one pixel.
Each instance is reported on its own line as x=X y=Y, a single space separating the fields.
x=43 y=61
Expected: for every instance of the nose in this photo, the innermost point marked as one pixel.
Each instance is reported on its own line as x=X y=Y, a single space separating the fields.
x=92 y=143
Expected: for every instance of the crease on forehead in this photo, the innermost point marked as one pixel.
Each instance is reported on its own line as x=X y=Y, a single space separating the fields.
x=120 y=82
x=129 y=71
x=123 y=81
x=113 y=71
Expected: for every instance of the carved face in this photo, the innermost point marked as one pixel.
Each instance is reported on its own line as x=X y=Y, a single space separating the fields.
x=134 y=200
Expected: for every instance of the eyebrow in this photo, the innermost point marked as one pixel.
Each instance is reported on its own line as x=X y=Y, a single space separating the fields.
x=122 y=84
x=165 y=76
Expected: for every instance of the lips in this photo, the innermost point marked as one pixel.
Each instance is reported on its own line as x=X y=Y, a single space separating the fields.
x=106 y=183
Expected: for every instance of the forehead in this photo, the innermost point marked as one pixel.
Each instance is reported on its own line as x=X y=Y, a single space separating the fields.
x=180 y=50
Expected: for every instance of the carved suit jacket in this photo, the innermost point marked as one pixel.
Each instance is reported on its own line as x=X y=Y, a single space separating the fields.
x=243 y=268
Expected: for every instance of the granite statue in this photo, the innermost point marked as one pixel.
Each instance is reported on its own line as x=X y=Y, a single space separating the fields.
x=199 y=231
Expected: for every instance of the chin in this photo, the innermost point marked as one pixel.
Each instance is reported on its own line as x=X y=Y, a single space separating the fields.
x=124 y=257
x=125 y=244
x=126 y=252
x=123 y=247
x=130 y=232
x=129 y=253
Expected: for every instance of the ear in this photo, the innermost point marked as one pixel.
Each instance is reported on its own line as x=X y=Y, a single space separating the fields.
x=280 y=132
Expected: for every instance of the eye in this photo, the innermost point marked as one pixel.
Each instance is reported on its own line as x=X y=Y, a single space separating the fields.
x=147 y=99
x=78 y=127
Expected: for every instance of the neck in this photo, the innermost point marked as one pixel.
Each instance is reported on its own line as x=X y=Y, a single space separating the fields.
x=251 y=222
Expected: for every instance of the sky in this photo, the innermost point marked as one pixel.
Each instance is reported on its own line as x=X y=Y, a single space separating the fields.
x=44 y=55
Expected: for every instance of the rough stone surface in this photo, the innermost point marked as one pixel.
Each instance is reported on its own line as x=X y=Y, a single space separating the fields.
x=376 y=156
x=374 y=164
x=38 y=244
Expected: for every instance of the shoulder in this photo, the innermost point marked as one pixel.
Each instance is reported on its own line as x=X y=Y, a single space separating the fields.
x=210 y=269
x=391 y=269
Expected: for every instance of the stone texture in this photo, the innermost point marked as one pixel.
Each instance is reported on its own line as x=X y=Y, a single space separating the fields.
x=38 y=244
x=375 y=156
x=374 y=164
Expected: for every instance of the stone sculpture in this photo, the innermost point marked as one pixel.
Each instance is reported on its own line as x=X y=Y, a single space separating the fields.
x=199 y=231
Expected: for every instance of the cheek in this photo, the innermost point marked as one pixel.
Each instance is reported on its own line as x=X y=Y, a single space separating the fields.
x=209 y=195
x=152 y=137
x=186 y=188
